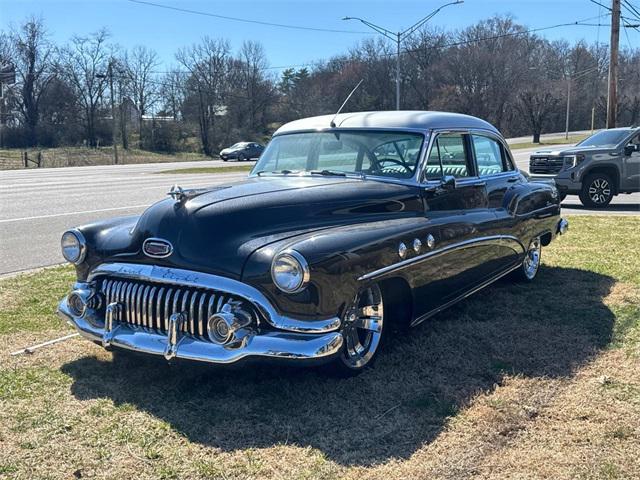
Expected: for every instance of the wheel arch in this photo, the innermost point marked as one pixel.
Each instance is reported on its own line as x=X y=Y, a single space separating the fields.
x=608 y=169
x=397 y=293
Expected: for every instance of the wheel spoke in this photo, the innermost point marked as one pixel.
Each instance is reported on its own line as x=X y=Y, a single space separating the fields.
x=373 y=323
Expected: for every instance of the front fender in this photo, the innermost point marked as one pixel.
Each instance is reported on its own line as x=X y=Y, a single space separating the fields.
x=337 y=257
x=106 y=239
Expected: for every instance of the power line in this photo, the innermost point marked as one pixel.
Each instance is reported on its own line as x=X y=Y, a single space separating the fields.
x=513 y=34
x=631 y=8
x=246 y=20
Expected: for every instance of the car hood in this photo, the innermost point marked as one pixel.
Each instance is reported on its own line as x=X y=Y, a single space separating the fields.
x=572 y=151
x=216 y=229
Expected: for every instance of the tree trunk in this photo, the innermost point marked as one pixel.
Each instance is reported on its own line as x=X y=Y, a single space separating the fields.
x=536 y=137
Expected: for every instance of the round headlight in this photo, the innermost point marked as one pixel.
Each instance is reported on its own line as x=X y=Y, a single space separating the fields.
x=290 y=271
x=74 y=247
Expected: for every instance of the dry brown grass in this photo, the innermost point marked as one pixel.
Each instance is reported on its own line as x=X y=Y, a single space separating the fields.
x=536 y=381
x=11 y=159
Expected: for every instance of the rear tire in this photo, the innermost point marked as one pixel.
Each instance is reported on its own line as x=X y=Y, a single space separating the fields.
x=241 y=157
x=597 y=190
x=528 y=270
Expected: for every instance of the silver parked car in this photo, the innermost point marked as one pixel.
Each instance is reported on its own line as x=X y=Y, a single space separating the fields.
x=597 y=169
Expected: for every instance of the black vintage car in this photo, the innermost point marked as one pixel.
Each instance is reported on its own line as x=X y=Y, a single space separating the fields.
x=242 y=151
x=344 y=231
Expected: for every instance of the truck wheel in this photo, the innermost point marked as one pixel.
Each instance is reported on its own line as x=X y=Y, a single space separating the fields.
x=363 y=332
x=597 y=190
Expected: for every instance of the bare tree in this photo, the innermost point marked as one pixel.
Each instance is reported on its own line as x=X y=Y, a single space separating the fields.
x=84 y=64
x=253 y=90
x=172 y=93
x=32 y=56
x=142 y=89
x=208 y=66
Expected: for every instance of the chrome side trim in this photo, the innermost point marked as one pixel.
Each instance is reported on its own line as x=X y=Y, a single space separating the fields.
x=504 y=240
x=452 y=302
x=179 y=277
x=290 y=346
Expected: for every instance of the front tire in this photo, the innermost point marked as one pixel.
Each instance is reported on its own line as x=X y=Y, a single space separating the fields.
x=597 y=190
x=363 y=332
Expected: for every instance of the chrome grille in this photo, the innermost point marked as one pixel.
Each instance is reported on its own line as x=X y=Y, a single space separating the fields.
x=149 y=305
x=545 y=164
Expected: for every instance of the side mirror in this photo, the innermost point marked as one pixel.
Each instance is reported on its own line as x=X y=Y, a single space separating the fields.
x=448 y=182
x=629 y=149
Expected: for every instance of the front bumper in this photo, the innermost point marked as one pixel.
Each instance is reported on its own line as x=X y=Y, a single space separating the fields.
x=297 y=347
x=102 y=320
x=564 y=183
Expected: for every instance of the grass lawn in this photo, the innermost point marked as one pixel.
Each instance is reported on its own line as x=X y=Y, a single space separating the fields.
x=213 y=170
x=573 y=139
x=518 y=381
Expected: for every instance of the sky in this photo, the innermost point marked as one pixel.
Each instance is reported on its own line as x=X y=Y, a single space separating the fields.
x=168 y=30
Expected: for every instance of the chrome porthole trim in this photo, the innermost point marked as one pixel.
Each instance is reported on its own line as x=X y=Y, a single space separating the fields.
x=82 y=244
x=431 y=241
x=304 y=267
x=402 y=250
x=503 y=240
x=417 y=245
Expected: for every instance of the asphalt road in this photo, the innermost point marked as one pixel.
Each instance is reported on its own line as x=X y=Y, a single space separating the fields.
x=36 y=206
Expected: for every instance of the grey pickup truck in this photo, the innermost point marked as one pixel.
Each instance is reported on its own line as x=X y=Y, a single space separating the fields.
x=600 y=167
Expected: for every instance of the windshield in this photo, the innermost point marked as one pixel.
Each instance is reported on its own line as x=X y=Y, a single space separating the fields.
x=605 y=138
x=239 y=144
x=386 y=154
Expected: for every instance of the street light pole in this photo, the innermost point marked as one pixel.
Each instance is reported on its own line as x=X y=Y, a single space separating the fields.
x=398 y=72
x=398 y=37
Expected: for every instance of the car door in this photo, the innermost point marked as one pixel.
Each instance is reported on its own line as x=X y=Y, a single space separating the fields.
x=631 y=165
x=497 y=170
x=456 y=206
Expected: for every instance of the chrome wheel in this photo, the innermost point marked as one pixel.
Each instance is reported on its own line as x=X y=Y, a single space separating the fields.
x=363 y=328
x=599 y=191
x=531 y=261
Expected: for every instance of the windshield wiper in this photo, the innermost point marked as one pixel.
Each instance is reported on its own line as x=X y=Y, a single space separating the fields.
x=277 y=172
x=328 y=173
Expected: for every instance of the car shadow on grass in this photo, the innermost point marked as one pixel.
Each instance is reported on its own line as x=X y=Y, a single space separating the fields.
x=546 y=329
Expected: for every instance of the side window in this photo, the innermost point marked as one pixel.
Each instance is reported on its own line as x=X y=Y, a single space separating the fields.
x=488 y=155
x=448 y=156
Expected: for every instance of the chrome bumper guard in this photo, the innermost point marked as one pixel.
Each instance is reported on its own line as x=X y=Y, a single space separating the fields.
x=176 y=344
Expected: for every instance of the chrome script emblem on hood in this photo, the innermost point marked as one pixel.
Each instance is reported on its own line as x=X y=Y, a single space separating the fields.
x=157 y=248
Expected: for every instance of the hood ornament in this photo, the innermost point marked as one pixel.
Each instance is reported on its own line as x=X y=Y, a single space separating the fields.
x=177 y=193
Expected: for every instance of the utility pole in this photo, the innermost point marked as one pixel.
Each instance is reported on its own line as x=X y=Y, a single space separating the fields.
x=398 y=37
x=612 y=94
x=566 y=120
x=113 y=115
x=114 y=125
